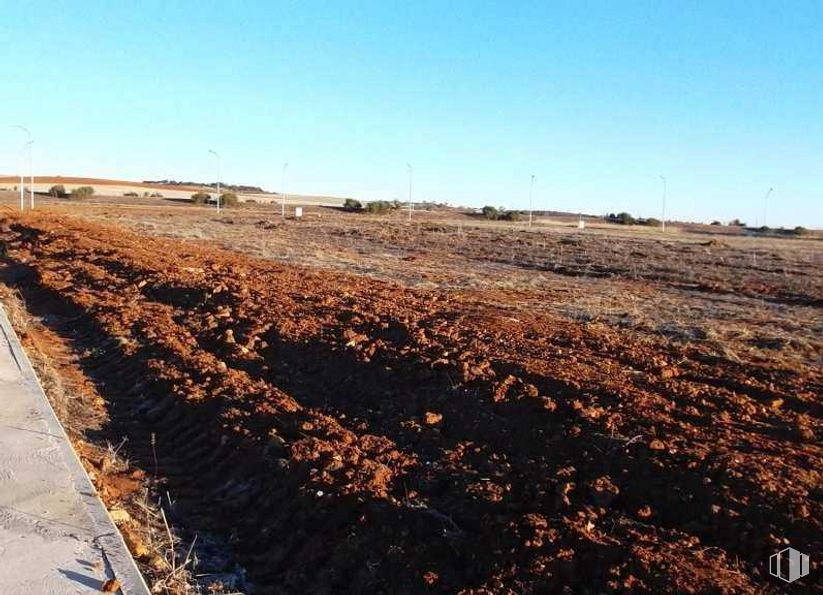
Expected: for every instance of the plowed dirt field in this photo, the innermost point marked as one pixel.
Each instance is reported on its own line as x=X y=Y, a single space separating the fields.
x=393 y=433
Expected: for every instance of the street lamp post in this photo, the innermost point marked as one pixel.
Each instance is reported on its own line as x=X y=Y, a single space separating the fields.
x=411 y=207
x=531 y=194
x=31 y=176
x=29 y=143
x=283 y=190
x=217 y=156
x=22 y=183
x=766 y=203
x=663 y=219
x=31 y=180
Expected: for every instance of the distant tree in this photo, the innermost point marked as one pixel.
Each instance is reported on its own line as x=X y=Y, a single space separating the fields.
x=200 y=198
x=351 y=204
x=622 y=218
x=499 y=214
x=800 y=231
x=652 y=222
x=379 y=206
x=58 y=191
x=716 y=223
x=491 y=213
x=736 y=223
x=82 y=192
x=764 y=229
x=228 y=199
x=509 y=216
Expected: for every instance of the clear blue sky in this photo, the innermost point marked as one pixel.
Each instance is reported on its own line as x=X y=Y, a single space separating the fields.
x=596 y=99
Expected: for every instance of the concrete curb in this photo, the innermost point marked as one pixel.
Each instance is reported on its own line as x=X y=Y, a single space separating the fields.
x=106 y=536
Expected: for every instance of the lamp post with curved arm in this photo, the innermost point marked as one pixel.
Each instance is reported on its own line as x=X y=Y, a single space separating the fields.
x=766 y=204
x=29 y=143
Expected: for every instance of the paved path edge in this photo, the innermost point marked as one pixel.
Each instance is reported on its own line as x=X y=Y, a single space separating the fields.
x=114 y=549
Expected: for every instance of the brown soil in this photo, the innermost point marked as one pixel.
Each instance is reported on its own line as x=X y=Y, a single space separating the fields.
x=346 y=433
x=92 y=181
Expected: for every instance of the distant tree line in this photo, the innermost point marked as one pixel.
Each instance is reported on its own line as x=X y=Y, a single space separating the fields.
x=627 y=219
x=353 y=205
x=374 y=206
x=499 y=214
x=232 y=187
x=145 y=194
x=81 y=192
x=227 y=199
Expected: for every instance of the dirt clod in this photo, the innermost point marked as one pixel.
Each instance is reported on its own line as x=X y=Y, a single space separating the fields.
x=433 y=418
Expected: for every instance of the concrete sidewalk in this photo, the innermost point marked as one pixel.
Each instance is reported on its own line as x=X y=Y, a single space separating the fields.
x=55 y=535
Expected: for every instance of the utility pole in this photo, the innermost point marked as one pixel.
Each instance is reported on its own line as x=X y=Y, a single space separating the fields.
x=531 y=194
x=766 y=204
x=29 y=142
x=22 y=184
x=283 y=190
x=410 y=190
x=663 y=220
x=218 y=178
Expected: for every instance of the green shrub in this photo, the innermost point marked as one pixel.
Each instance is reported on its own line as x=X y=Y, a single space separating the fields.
x=131 y=194
x=228 y=199
x=491 y=213
x=652 y=222
x=351 y=204
x=379 y=206
x=509 y=216
x=621 y=218
x=156 y=195
x=58 y=191
x=800 y=230
x=764 y=229
x=200 y=198
x=82 y=192
x=499 y=214
x=716 y=223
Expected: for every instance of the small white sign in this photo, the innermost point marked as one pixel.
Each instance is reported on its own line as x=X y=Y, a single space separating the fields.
x=298 y=212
